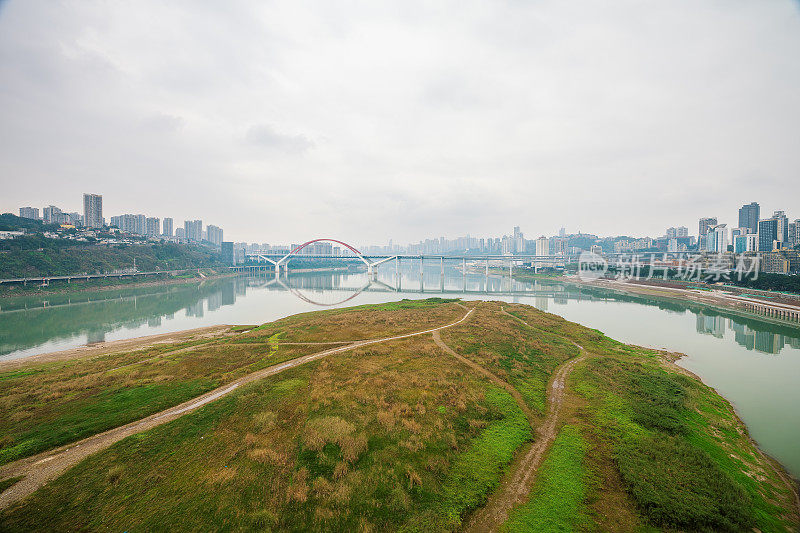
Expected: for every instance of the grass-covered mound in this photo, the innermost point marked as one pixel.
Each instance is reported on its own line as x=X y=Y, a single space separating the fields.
x=391 y=437
x=48 y=405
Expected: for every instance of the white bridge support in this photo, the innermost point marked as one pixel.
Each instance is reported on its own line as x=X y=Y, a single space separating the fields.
x=372 y=267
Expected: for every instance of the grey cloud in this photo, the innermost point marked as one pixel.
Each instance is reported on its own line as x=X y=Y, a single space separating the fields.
x=445 y=119
x=266 y=136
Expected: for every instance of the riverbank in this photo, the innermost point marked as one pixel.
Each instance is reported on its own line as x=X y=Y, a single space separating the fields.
x=737 y=301
x=341 y=431
x=77 y=285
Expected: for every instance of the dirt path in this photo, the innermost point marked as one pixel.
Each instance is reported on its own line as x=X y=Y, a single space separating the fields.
x=481 y=370
x=39 y=469
x=516 y=484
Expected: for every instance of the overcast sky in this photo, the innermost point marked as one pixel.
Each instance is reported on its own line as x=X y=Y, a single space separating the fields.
x=367 y=121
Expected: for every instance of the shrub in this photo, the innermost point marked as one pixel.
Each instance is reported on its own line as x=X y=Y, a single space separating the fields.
x=678 y=485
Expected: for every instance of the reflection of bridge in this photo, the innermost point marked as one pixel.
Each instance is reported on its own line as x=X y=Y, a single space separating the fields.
x=470 y=284
x=373 y=261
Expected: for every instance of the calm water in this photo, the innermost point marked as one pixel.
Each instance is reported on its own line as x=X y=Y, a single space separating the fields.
x=753 y=363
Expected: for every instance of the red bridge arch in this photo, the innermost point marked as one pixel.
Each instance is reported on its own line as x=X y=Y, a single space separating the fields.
x=323 y=239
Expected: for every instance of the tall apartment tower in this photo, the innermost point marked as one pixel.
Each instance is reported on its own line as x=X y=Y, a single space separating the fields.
x=783 y=225
x=706 y=224
x=767 y=234
x=194 y=230
x=92 y=210
x=29 y=212
x=167 y=227
x=748 y=217
x=152 y=226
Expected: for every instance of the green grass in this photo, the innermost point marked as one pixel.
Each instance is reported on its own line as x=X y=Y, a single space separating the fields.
x=677 y=469
x=98 y=413
x=4 y=484
x=413 y=304
x=678 y=485
x=249 y=460
x=477 y=472
x=557 y=501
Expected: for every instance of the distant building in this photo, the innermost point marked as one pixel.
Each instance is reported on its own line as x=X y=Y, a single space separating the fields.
x=719 y=239
x=214 y=235
x=226 y=248
x=767 y=234
x=794 y=233
x=774 y=263
x=518 y=242
x=93 y=210
x=783 y=226
x=152 y=227
x=180 y=233
x=747 y=242
x=542 y=246
x=75 y=219
x=167 y=227
x=29 y=212
x=194 y=230
x=683 y=232
x=51 y=215
x=705 y=225
x=749 y=216
x=134 y=224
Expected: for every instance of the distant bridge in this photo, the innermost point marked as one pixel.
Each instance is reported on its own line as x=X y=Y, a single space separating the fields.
x=373 y=261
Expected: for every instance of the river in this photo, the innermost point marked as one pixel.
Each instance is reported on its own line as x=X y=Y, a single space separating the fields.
x=752 y=362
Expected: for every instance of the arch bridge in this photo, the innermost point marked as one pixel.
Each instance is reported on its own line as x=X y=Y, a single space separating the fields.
x=280 y=261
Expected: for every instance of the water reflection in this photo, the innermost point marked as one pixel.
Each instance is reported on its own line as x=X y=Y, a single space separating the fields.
x=30 y=322
x=751 y=361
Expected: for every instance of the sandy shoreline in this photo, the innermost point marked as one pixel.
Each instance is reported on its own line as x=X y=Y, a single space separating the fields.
x=105 y=348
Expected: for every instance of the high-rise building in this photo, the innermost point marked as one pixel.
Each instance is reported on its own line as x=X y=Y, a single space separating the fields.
x=706 y=224
x=783 y=226
x=767 y=234
x=51 y=215
x=167 y=227
x=748 y=217
x=180 y=233
x=747 y=242
x=794 y=233
x=683 y=232
x=152 y=226
x=518 y=245
x=719 y=242
x=194 y=230
x=93 y=210
x=29 y=212
x=215 y=235
x=542 y=246
x=226 y=248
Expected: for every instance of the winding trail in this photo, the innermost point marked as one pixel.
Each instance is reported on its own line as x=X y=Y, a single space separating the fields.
x=516 y=484
x=39 y=469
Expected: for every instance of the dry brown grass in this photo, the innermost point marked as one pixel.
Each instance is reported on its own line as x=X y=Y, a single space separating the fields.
x=355 y=324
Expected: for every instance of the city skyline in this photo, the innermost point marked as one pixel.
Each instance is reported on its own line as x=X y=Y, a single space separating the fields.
x=713 y=235
x=426 y=124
